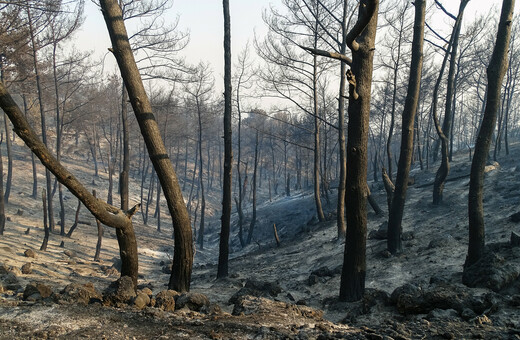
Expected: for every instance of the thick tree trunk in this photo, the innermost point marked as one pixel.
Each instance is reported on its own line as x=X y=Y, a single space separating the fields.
x=183 y=251
x=407 y=133
x=228 y=151
x=361 y=41
x=495 y=74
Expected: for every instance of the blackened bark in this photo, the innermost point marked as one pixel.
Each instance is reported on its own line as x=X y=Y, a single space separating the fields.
x=407 y=133
x=495 y=74
x=361 y=41
x=183 y=252
x=228 y=151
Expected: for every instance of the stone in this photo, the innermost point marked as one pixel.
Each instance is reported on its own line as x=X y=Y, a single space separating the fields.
x=70 y=253
x=442 y=314
x=312 y=280
x=193 y=301
x=4 y=269
x=322 y=272
x=26 y=268
x=36 y=291
x=165 y=300
x=498 y=268
x=29 y=253
x=80 y=294
x=380 y=234
x=285 y=311
x=141 y=300
x=120 y=291
x=271 y=288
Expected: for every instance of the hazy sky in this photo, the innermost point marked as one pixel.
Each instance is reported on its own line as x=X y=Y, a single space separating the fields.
x=203 y=19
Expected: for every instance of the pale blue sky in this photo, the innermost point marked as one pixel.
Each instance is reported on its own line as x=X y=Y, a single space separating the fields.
x=203 y=18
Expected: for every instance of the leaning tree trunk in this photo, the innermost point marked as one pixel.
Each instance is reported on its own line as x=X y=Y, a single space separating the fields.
x=361 y=41
x=228 y=151
x=495 y=74
x=407 y=133
x=183 y=251
x=444 y=168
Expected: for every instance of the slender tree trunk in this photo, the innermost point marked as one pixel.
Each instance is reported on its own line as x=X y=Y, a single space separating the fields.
x=495 y=73
x=444 y=168
x=255 y=170
x=45 y=225
x=407 y=133
x=9 y=162
x=340 y=213
x=183 y=250
x=2 y=203
x=228 y=151
x=76 y=220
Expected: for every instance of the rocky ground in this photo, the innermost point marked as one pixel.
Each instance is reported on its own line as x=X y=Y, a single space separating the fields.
x=274 y=292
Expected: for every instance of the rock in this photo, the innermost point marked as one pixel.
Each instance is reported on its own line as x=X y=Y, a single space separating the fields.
x=491 y=167
x=442 y=314
x=141 y=300
x=80 y=294
x=243 y=292
x=515 y=239
x=19 y=212
x=26 y=268
x=285 y=311
x=4 y=269
x=380 y=234
x=407 y=236
x=165 y=300
x=70 y=253
x=498 y=268
x=147 y=291
x=312 y=280
x=467 y=314
x=29 y=253
x=194 y=301
x=120 y=291
x=271 y=288
x=10 y=281
x=323 y=272
x=407 y=288
x=374 y=297
x=443 y=296
x=515 y=217
x=442 y=241
x=167 y=269
x=36 y=291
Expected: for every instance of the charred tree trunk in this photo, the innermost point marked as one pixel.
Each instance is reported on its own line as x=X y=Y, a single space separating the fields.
x=407 y=133
x=45 y=225
x=255 y=170
x=495 y=74
x=228 y=151
x=183 y=251
x=361 y=41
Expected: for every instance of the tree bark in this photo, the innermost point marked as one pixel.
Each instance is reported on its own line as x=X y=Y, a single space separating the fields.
x=407 y=133
x=495 y=74
x=444 y=168
x=228 y=151
x=45 y=225
x=183 y=253
x=361 y=41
